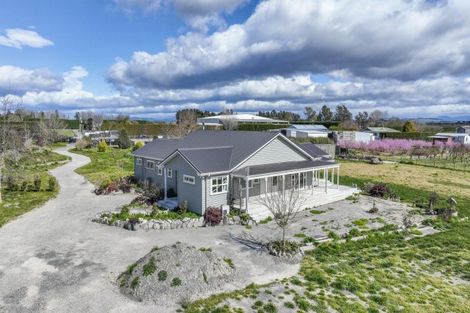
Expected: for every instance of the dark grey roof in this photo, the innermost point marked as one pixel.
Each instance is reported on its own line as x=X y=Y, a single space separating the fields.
x=282 y=167
x=312 y=150
x=208 y=159
x=243 y=143
x=216 y=151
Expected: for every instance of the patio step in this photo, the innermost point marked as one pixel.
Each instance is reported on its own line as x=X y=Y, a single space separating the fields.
x=168 y=204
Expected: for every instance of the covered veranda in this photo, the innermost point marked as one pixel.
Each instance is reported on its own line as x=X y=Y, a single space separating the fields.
x=310 y=178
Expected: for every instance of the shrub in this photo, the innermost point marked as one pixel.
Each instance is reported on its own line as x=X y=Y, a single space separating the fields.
x=376 y=190
x=124 y=185
x=162 y=275
x=52 y=183
x=135 y=282
x=176 y=282
x=11 y=183
x=150 y=267
x=83 y=143
x=102 y=146
x=138 y=145
x=212 y=216
x=229 y=262
x=24 y=185
x=183 y=207
x=37 y=183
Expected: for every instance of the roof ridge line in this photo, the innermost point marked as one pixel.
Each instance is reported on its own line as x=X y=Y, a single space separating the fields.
x=205 y=148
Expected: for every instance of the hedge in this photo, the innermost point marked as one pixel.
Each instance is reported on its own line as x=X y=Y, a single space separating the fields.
x=414 y=135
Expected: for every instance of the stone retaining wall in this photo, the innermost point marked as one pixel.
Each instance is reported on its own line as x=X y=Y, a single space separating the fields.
x=144 y=224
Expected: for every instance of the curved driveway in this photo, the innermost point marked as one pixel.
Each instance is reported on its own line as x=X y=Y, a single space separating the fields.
x=53 y=259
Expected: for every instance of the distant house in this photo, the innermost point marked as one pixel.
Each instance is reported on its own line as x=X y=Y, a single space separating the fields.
x=109 y=136
x=219 y=120
x=353 y=136
x=463 y=130
x=306 y=131
x=219 y=168
x=462 y=138
x=380 y=132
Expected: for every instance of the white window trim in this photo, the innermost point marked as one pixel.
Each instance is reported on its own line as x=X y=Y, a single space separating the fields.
x=147 y=165
x=219 y=192
x=159 y=170
x=138 y=161
x=169 y=173
x=188 y=179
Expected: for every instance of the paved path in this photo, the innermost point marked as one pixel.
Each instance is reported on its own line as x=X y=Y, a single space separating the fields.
x=53 y=259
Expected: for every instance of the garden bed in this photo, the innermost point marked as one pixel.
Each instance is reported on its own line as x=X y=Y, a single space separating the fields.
x=147 y=218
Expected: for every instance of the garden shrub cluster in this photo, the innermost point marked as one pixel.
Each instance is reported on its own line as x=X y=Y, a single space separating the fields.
x=107 y=186
x=25 y=185
x=212 y=216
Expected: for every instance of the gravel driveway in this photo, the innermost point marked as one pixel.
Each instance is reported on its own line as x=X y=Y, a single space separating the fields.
x=53 y=259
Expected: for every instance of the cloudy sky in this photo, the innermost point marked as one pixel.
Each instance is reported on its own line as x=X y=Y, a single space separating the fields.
x=149 y=58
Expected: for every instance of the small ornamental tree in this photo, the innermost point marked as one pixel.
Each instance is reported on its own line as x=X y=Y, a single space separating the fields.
x=284 y=206
x=124 y=142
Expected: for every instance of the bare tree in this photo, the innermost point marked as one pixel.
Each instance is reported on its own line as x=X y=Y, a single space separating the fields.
x=284 y=204
x=7 y=142
x=185 y=124
x=230 y=124
x=98 y=121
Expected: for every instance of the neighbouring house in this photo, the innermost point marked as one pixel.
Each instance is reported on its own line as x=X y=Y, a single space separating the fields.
x=220 y=120
x=461 y=138
x=210 y=168
x=306 y=131
x=380 y=132
x=353 y=136
x=463 y=129
x=109 y=136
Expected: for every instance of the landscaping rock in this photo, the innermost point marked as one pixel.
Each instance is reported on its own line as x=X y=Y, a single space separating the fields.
x=179 y=273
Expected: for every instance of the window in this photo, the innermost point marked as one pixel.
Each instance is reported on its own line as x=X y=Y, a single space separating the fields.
x=189 y=179
x=219 y=185
x=138 y=161
x=150 y=165
x=169 y=173
x=159 y=171
x=275 y=182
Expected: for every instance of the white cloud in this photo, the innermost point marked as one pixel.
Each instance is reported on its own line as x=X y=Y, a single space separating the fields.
x=200 y=15
x=19 y=38
x=397 y=39
x=16 y=79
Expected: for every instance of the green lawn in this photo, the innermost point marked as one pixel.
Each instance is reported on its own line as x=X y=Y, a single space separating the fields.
x=112 y=164
x=383 y=273
x=37 y=163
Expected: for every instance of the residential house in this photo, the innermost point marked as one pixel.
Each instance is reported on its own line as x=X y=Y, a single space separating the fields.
x=459 y=138
x=222 y=168
x=220 y=120
x=109 y=136
x=380 y=132
x=463 y=129
x=306 y=131
x=353 y=136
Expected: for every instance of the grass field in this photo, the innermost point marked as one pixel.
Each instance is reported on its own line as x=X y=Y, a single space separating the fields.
x=384 y=272
x=442 y=181
x=16 y=203
x=112 y=164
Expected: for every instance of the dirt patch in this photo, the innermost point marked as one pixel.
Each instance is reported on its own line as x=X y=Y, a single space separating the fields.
x=177 y=274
